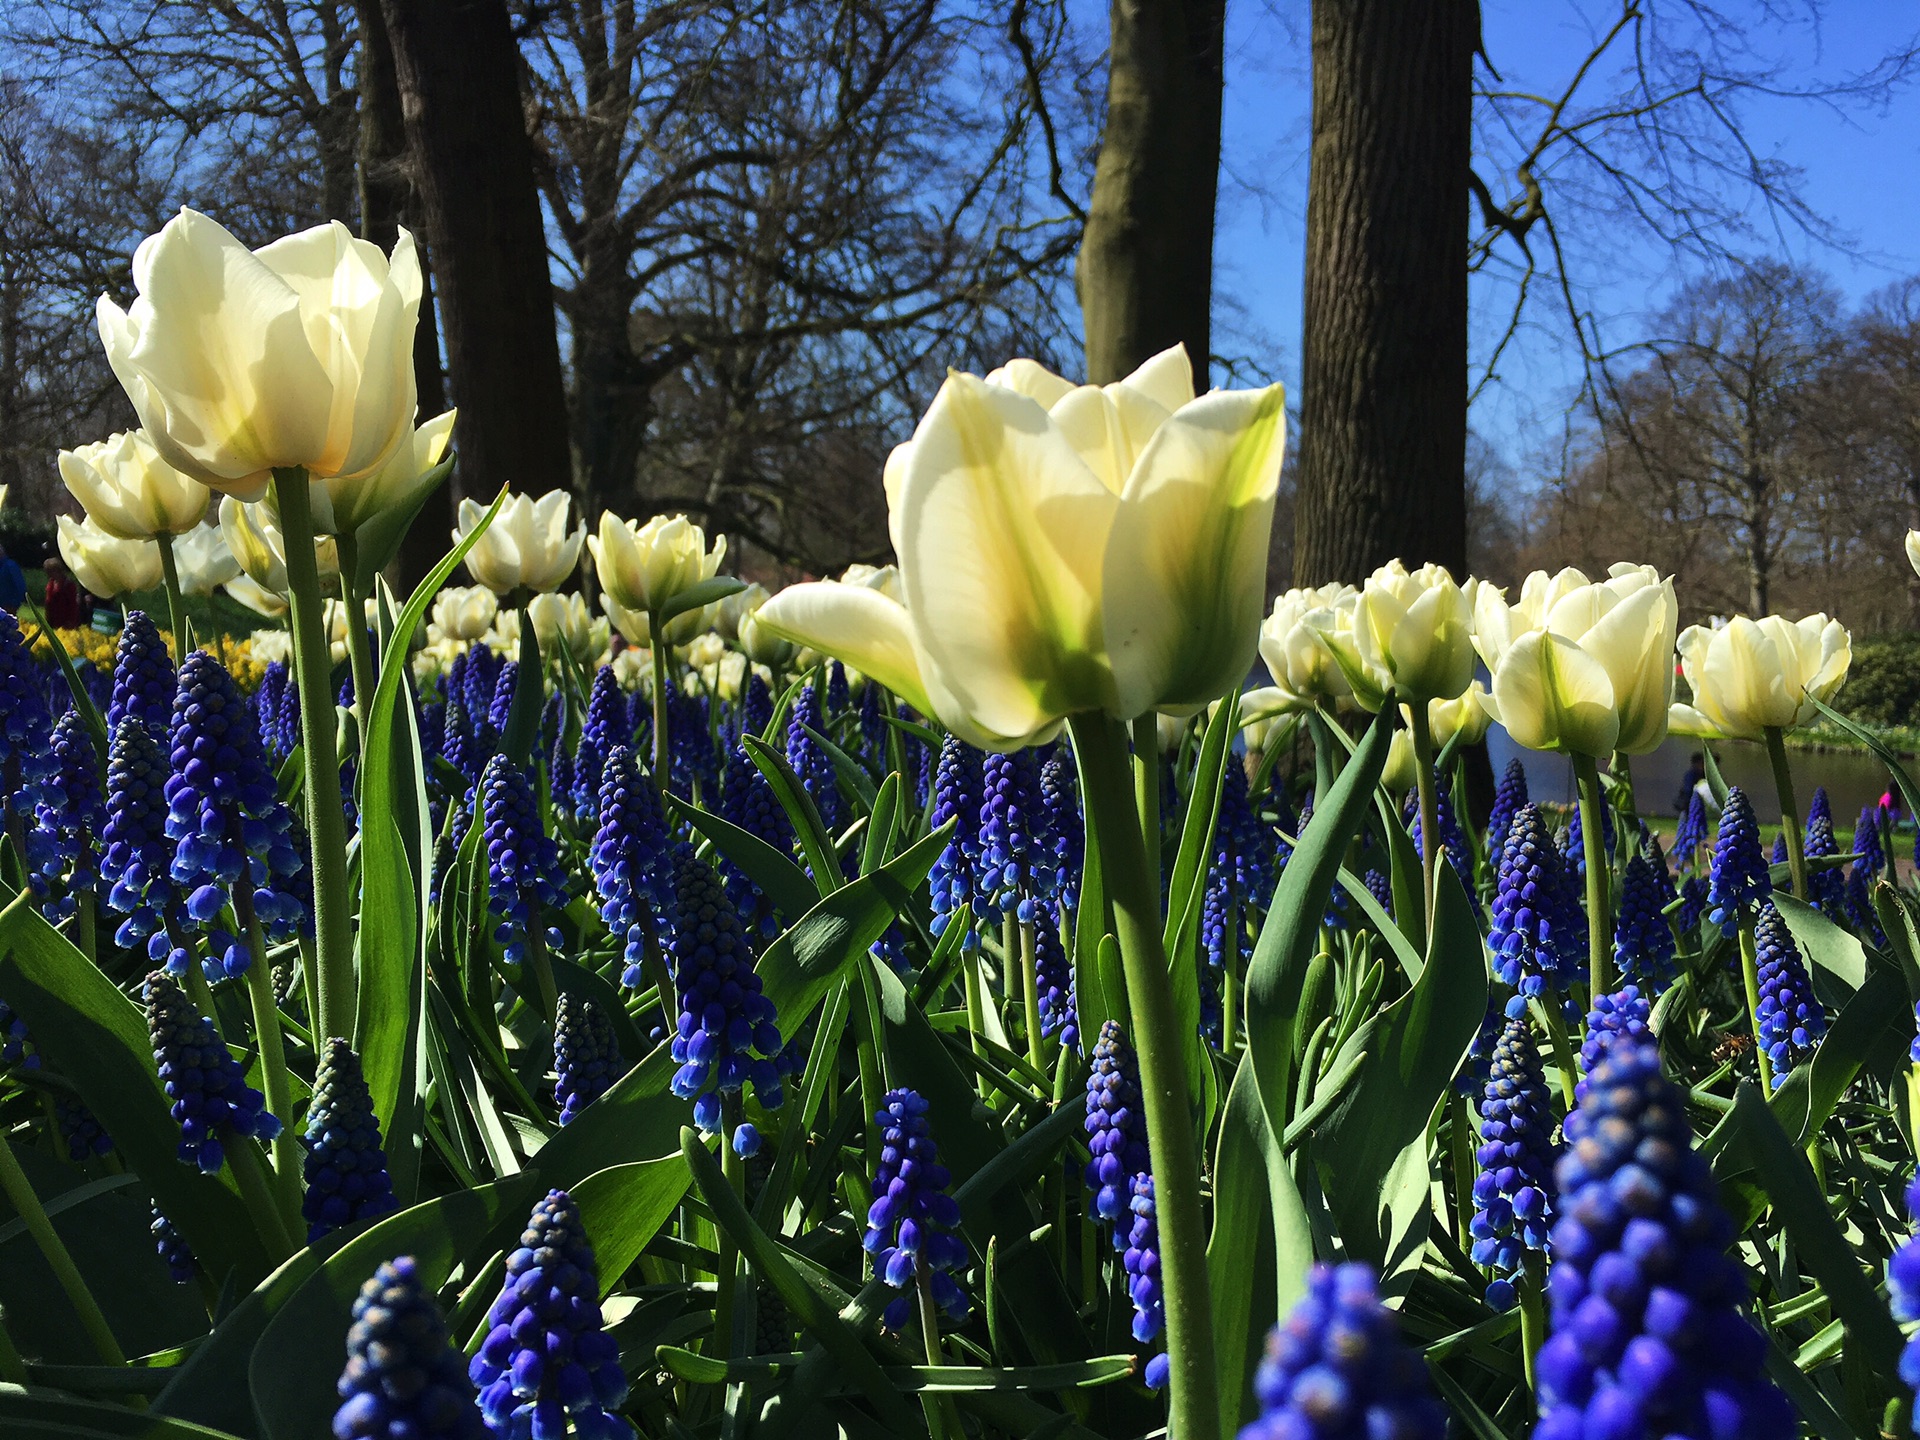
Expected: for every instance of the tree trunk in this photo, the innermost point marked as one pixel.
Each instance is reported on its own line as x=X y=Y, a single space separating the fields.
x=1383 y=424
x=1758 y=520
x=1146 y=258
x=458 y=72
x=388 y=201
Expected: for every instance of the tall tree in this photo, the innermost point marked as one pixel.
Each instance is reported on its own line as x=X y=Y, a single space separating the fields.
x=1383 y=422
x=1146 y=260
x=458 y=69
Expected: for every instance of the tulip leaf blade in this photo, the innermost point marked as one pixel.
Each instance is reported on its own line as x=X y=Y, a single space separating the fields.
x=91 y=1033
x=694 y=597
x=808 y=827
x=1292 y=928
x=785 y=884
x=394 y=911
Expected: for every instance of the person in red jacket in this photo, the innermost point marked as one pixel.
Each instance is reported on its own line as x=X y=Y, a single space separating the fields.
x=62 y=601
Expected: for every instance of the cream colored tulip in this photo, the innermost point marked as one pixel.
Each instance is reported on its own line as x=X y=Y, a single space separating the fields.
x=1402 y=770
x=761 y=645
x=1261 y=710
x=432 y=661
x=342 y=505
x=1295 y=650
x=705 y=650
x=637 y=625
x=736 y=607
x=203 y=560
x=1466 y=715
x=884 y=578
x=1581 y=666
x=1752 y=675
x=240 y=362
x=633 y=668
x=256 y=597
x=463 y=612
x=1064 y=548
x=563 y=622
x=723 y=676
x=1913 y=546
x=129 y=492
x=252 y=533
x=335 y=612
x=105 y=564
x=528 y=545
x=1411 y=637
x=647 y=567
x=267 y=646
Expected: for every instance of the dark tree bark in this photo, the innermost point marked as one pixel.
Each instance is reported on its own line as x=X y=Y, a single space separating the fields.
x=1146 y=259
x=387 y=201
x=458 y=72
x=1383 y=423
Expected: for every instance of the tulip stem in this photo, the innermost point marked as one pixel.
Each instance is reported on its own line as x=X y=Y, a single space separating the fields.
x=1599 y=900
x=1193 y=1406
x=176 y=602
x=273 y=1051
x=1030 y=996
x=657 y=652
x=335 y=1004
x=1421 y=726
x=353 y=625
x=1146 y=795
x=1789 y=810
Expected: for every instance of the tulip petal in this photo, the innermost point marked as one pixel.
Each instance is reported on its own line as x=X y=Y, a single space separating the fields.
x=1551 y=695
x=1002 y=535
x=1634 y=642
x=1742 y=688
x=1187 y=562
x=1683 y=719
x=858 y=626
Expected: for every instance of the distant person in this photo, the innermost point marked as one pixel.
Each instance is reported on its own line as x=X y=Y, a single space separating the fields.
x=62 y=600
x=13 y=583
x=1695 y=777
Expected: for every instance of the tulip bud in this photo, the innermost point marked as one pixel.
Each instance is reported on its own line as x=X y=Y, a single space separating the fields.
x=1297 y=656
x=1752 y=675
x=1402 y=770
x=527 y=547
x=1412 y=637
x=646 y=567
x=128 y=491
x=340 y=506
x=203 y=560
x=736 y=607
x=104 y=564
x=239 y=363
x=463 y=612
x=563 y=622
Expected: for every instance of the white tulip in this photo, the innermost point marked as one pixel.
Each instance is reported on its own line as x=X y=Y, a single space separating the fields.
x=1411 y=637
x=645 y=567
x=129 y=492
x=203 y=560
x=241 y=362
x=1752 y=675
x=252 y=533
x=563 y=622
x=463 y=612
x=255 y=596
x=104 y=564
x=528 y=545
x=1297 y=655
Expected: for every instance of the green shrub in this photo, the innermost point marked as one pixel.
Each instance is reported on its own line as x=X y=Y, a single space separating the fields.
x=1883 y=685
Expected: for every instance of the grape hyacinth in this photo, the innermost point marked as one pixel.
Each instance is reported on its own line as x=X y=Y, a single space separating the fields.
x=1141 y=1264
x=1337 y=1369
x=1739 y=878
x=26 y=723
x=13 y=1040
x=1647 y=1335
x=270 y=705
x=1826 y=887
x=631 y=860
x=81 y=1132
x=1478 y=1064
x=911 y=1223
x=346 y=1166
x=605 y=726
x=810 y=760
x=226 y=818
x=748 y=801
x=1903 y=1289
x=1513 y=1196
x=1453 y=841
x=1866 y=841
x=1791 y=1022
x=171 y=1248
x=1625 y=1015
x=873 y=724
x=547 y=1361
x=729 y=1033
x=1535 y=938
x=136 y=861
x=1059 y=1014
x=500 y=704
x=586 y=1056
x=404 y=1380
x=1013 y=874
x=68 y=820
x=1693 y=904
x=1691 y=833
x=1116 y=1127
x=1509 y=794
x=956 y=797
x=206 y=1089
x=1643 y=944
x=1575 y=852
x=1062 y=824
x=143 y=678
x=523 y=864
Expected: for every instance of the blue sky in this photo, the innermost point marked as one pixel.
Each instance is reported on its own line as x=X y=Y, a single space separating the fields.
x=1859 y=167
